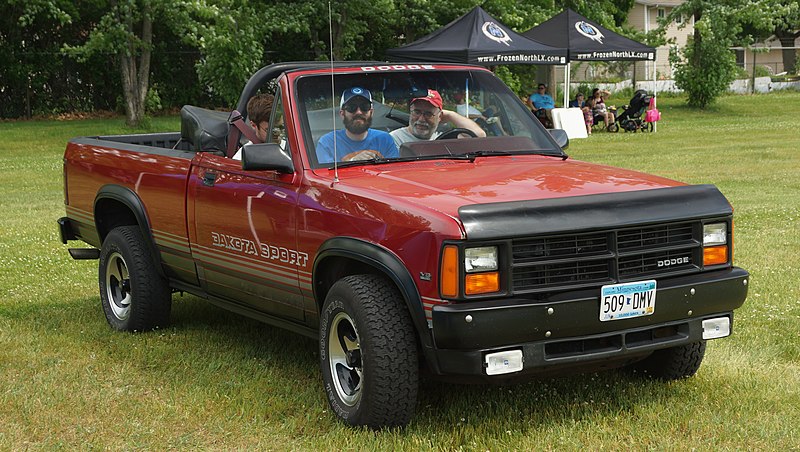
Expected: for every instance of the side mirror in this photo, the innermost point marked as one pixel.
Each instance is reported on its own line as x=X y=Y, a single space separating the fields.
x=561 y=137
x=266 y=156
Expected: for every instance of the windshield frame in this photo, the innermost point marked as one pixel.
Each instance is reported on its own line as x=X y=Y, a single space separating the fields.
x=394 y=116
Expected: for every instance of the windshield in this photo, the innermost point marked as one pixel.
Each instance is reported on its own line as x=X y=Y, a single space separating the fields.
x=407 y=116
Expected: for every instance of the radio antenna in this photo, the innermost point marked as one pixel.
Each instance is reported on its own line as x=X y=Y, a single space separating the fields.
x=333 y=98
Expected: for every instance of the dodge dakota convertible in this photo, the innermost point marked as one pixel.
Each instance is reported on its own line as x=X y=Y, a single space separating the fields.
x=480 y=253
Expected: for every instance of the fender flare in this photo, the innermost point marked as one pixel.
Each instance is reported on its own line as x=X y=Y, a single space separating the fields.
x=131 y=200
x=386 y=262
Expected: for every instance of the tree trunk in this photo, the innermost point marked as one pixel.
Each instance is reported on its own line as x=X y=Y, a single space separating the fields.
x=697 y=41
x=789 y=55
x=136 y=71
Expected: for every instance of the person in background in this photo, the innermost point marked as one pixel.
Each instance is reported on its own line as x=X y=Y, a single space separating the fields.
x=259 y=109
x=426 y=113
x=588 y=118
x=485 y=119
x=599 y=110
x=466 y=110
x=541 y=103
x=357 y=141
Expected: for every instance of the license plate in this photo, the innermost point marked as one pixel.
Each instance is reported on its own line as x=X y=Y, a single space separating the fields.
x=627 y=300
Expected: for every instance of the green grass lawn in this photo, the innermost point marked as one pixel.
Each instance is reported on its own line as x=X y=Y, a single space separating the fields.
x=214 y=380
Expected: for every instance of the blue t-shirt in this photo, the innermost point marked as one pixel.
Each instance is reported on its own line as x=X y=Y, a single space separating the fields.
x=542 y=101
x=376 y=139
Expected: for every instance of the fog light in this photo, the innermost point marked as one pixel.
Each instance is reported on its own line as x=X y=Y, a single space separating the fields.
x=503 y=362
x=716 y=328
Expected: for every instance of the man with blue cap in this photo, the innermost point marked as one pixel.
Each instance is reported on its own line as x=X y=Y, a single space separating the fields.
x=357 y=141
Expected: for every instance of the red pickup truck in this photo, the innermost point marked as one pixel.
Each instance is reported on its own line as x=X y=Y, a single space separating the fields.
x=490 y=258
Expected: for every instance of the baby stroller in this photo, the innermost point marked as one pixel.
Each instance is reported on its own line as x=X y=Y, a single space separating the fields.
x=631 y=120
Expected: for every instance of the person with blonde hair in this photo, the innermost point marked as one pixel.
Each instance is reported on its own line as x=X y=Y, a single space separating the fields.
x=599 y=109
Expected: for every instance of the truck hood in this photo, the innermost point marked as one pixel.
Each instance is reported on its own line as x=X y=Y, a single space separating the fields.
x=447 y=185
x=518 y=196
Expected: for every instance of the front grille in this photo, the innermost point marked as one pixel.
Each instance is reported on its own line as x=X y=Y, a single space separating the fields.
x=592 y=259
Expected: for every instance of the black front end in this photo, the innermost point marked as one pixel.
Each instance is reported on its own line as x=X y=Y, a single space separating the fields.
x=560 y=261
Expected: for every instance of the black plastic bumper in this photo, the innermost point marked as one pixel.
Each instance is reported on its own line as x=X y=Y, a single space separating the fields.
x=565 y=330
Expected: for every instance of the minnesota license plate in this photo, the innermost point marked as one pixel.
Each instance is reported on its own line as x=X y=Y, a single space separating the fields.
x=627 y=300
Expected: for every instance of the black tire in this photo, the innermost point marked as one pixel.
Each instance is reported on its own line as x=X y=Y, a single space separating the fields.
x=613 y=127
x=135 y=297
x=368 y=353
x=673 y=363
x=647 y=127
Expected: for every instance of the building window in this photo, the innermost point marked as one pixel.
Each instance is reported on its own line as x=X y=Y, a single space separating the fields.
x=679 y=19
x=661 y=13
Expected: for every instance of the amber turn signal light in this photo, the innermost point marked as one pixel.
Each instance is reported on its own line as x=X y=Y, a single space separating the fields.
x=479 y=283
x=715 y=255
x=448 y=277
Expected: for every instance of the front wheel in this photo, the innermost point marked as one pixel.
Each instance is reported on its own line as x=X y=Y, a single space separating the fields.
x=368 y=353
x=134 y=296
x=673 y=363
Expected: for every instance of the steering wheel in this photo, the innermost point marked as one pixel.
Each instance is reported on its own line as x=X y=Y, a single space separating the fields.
x=366 y=154
x=454 y=133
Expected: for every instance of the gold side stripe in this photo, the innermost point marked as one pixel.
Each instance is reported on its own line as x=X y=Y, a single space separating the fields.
x=80 y=214
x=250 y=271
x=223 y=261
x=167 y=242
x=171 y=235
x=222 y=252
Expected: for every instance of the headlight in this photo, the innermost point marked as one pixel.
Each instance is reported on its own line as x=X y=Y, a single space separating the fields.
x=482 y=259
x=715 y=234
x=715 y=244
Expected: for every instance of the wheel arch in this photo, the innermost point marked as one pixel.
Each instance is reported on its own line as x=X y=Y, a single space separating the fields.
x=114 y=206
x=343 y=256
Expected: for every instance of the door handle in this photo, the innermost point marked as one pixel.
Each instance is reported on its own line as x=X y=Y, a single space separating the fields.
x=209 y=178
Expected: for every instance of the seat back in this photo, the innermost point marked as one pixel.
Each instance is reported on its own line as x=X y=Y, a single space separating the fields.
x=205 y=130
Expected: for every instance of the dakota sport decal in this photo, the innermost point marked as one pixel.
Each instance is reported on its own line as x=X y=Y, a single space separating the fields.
x=245 y=246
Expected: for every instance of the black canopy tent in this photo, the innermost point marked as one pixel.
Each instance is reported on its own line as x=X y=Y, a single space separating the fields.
x=585 y=40
x=478 y=38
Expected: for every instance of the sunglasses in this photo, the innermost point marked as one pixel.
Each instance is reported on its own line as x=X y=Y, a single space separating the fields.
x=354 y=106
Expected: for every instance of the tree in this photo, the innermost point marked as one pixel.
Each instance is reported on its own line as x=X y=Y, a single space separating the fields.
x=706 y=67
x=35 y=77
x=786 y=27
x=125 y=33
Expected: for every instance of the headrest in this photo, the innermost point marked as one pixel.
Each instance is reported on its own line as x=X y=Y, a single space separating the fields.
x=205 y=129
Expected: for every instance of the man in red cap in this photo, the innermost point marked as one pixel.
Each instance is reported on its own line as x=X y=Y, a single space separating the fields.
x=425 y=115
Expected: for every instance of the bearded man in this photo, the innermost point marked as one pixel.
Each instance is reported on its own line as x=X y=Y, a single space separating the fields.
x=357 y=141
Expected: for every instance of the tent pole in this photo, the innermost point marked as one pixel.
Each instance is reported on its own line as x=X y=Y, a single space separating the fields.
x=567 y=76
x=655 y=92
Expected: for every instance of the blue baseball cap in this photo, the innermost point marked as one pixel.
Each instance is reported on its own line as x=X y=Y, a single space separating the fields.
x=355 y=91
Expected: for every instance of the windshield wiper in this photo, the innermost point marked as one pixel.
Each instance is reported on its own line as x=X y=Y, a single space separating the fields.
x=475 y=154
x=374 y=160
x=471 y=156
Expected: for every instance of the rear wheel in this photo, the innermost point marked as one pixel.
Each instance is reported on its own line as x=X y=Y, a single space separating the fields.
x=134 y=296
x=368 y=353
x=613 y=127
x=673 y=363
x=647 y=127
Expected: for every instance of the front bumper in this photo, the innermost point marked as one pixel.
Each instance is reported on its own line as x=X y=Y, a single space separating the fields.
x=564 y=330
